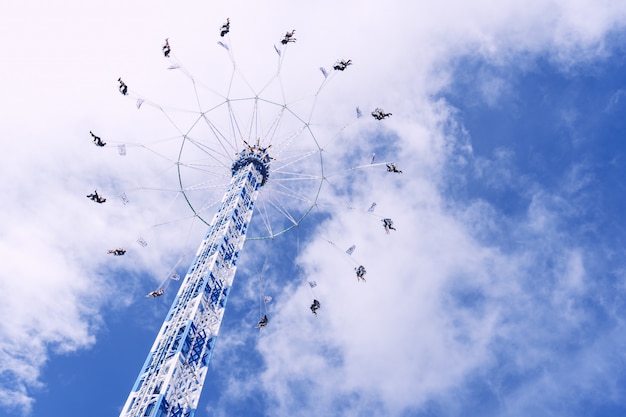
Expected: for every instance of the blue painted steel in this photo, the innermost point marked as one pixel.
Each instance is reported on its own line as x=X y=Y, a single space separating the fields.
x=171 y=379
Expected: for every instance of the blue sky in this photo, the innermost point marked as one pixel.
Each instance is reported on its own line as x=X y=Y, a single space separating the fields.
x=560 y=132
x=500 y=294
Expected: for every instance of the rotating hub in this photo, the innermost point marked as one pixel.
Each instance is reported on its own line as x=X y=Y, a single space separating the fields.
x=256 y=155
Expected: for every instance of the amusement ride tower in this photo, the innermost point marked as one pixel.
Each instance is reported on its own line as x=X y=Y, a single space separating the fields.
x=171 y=379
x=232 y=142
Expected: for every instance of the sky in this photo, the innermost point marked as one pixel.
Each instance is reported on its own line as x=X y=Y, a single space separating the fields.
x=500 y=293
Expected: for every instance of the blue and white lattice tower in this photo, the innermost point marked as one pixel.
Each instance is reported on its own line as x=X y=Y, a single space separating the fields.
x=171 y=379
x=218 y=168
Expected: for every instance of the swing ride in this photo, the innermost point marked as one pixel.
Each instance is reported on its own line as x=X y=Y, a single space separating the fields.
x=237 y=154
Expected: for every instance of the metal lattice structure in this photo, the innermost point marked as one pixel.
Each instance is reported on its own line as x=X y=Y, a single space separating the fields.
x=171 y=379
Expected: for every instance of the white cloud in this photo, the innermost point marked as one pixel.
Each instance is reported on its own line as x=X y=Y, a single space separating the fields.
x=496 y=172
x=614 y=100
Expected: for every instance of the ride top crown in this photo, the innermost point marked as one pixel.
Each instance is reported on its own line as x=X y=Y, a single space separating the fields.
x=257 y=155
